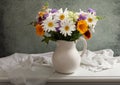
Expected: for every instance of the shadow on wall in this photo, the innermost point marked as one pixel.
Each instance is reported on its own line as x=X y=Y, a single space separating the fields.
x=2 y=48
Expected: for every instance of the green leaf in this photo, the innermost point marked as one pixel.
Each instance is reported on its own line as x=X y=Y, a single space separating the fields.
x=99 y=18
x=46 y=39
x=75 y=36
x=54 y=36
x=47 y=4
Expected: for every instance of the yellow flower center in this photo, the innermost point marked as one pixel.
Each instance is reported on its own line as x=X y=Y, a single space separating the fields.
x=67 y=28
x=50 y=24
x=62 y=17
x=90 y=20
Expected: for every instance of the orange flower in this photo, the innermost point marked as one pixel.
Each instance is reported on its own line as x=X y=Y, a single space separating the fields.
x=39 y=30
x=41 y=14
x=82 y=26
x=87 y=35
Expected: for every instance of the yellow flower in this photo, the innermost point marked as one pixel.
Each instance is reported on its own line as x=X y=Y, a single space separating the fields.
x=87 y=35
x=82 y=26
x=39 y=30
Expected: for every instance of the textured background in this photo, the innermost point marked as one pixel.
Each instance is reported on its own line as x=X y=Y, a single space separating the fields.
x=17 y=36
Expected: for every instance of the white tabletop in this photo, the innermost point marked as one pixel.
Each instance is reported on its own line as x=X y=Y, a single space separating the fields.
x=81 y=75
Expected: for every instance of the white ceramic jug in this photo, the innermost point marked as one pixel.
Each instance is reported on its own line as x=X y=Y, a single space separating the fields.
x=66 y=58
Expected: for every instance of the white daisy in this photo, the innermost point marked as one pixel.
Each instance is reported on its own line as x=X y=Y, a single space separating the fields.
x=49 y=24
x=91 y=20
x=60 y=15
x=67 y=26
x=82 y=12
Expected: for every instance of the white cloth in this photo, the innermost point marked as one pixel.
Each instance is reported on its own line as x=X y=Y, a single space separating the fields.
x=99 y=60
x=18 y=65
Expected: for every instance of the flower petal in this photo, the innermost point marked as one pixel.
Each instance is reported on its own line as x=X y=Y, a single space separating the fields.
x=39 y=30
x=82 y=26
x=87 y=34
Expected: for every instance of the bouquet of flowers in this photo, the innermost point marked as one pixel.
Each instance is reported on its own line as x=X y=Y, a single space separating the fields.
x=59 y=24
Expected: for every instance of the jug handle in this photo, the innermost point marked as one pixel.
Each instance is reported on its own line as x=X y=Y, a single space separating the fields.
x=84 y=46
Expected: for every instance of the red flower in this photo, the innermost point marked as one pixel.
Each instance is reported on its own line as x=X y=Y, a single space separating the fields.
x=87 y=34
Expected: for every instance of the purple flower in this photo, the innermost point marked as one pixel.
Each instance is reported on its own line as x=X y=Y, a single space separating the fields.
x=58 y=28
x=54 y=10
x=45 y=16
x=82 y=17
x=91 y=10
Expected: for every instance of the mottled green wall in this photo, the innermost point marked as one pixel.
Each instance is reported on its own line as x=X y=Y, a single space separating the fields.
x=17 y=36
